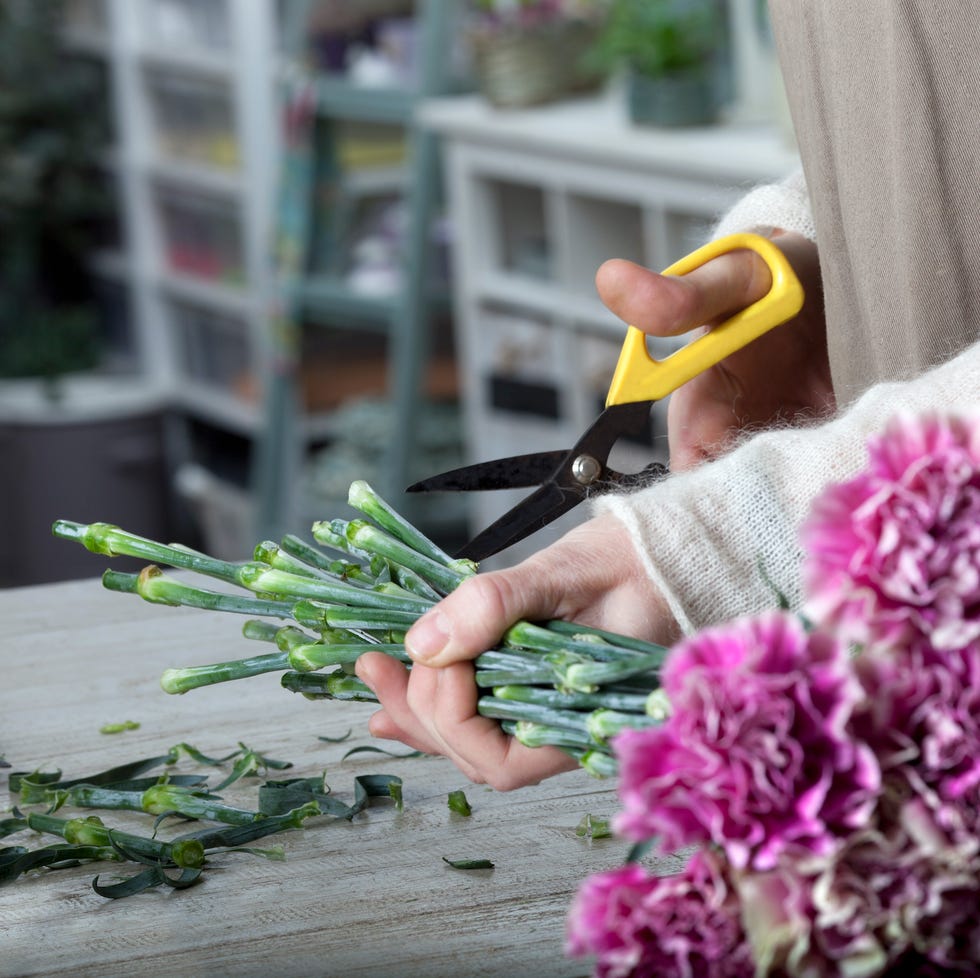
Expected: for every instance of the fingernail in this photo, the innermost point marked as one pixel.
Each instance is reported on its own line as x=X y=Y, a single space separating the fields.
x=428 y=637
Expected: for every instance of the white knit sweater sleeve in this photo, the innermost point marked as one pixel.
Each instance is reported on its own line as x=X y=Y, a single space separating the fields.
x=704 y=535
x=784 y=205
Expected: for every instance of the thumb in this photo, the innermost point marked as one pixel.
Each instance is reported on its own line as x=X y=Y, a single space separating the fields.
x=668 y=305
x=472 y=618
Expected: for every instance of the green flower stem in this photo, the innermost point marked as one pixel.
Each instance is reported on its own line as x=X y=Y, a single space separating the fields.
x=587 y=677
x=333 y=533
x=515 y=659
x=363 y=498
x=104 y=538
x=290 y=637
x=414 y=584
x=153 y=585
x=164 y=799
x=191 y=677
x=91 y=831
x=316 y=614
x=596 y=762
x=529 y=636
x=17 y=860
x=260 y=631
x=541 y=735
x=271 y=553
x=603 y=725
x=359 y=575
x=336 y=685
x=317 y=655
x=498 y=709
x=490 y=678
x=658 y=704
x=312 y=685
x=307 y=553
x=603 y=699
x=501 y=668
x=368 y=537
x=622 y=641
x=230 y=836
x=267 y=580
x=94 y=796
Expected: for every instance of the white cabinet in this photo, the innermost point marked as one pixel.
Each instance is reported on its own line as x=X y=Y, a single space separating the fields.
x=237 y=231
x=539 y=198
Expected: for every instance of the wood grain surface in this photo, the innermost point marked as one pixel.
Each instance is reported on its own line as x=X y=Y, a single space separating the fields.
x=370 y=897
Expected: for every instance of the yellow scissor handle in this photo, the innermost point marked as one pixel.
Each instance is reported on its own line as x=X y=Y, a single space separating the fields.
x=640 y=377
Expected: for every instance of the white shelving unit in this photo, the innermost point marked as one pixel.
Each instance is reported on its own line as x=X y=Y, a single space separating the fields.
x=194 y=102
x=195 y=97
x=200 y=94
x=539 y=198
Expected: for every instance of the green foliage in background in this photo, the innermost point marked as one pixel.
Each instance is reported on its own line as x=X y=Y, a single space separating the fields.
x=662 y=37
x=52 y=126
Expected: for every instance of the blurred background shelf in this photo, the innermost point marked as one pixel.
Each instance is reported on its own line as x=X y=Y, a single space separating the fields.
x=168 y=110
x=328 y=240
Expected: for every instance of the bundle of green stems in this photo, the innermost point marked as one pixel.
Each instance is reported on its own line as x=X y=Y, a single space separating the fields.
x=359 y=587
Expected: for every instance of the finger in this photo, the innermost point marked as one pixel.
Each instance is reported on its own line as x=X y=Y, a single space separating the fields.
x=437 y=715
x=701 y=427
x=394 y=721
x=668 y=305
x=478 y=745
x=472 y=618
x=413 y=706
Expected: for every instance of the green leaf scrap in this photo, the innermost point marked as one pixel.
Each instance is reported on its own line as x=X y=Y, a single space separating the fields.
x=468 y=863
x=114 y=728
x=337 y=740
x=369 y=749
x=593 y=827
x=459 y=804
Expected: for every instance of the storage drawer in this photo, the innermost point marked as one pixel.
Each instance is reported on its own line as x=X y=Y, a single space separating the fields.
x=201 y=236
x=193 y=120
x=213 y=349
x=198 y=23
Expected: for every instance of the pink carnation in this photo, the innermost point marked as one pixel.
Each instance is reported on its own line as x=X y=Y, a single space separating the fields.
x=922 y=719
x=901 y=893
x=894 y=554
x=757 y=755
x=642 y=926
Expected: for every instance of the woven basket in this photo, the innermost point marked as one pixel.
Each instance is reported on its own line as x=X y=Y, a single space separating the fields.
x=518 y=67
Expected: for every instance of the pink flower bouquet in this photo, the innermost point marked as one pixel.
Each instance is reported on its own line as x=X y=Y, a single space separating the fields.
x=827 y=770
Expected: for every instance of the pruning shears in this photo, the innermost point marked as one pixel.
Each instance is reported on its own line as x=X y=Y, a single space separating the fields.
x=566 y=477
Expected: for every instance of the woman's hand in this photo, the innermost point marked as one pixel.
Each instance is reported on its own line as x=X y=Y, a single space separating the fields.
x=782 y=377
x=591 y=575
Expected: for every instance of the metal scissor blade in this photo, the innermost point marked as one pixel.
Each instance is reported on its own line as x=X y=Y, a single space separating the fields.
x=532 y=513
x=516 y=472
x=614 y=422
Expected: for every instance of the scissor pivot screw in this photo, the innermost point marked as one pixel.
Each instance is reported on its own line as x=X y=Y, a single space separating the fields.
x=586 y=469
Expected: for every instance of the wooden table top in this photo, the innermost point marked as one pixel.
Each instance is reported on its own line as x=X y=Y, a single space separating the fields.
x=362 y=898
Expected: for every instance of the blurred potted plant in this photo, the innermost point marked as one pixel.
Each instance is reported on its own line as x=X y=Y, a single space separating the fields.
x=528 y=52
x=673 y=53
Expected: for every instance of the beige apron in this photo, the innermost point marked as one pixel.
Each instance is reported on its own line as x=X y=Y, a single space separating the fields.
x=885 y=97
